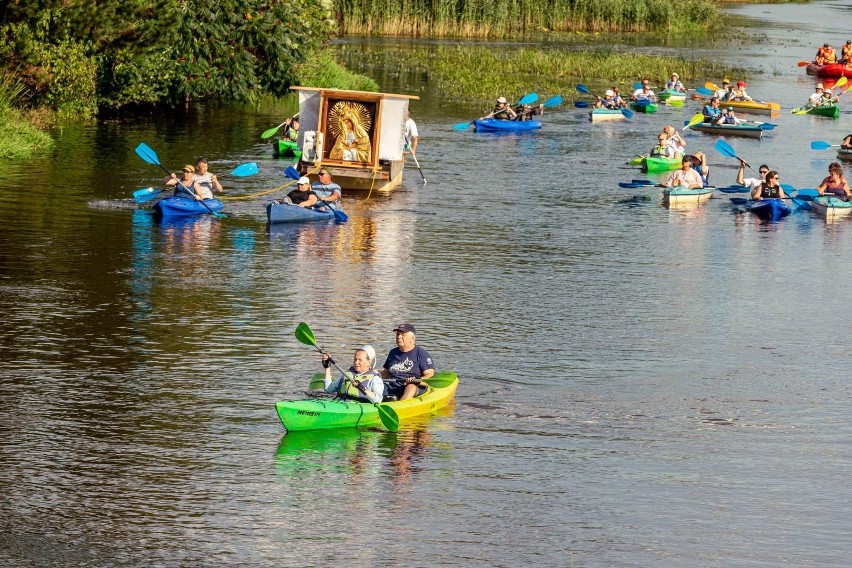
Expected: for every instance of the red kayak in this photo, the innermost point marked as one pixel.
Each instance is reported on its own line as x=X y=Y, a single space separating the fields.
x=834 y=71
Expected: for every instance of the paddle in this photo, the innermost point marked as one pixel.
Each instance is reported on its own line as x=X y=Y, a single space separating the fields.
x=339 y=216
x=581 y=104
x=735 y=189
x=525 y=100
x=436 y=381
x=704 y=91
x=149 y=193
x=675 y=103
x=271 y=132
x=727 y=150
x=387 y=415
x=820 y=145
x=413 y=155
x=146 y=153
x=554 y=101
x=803 y=63
x=585 y=90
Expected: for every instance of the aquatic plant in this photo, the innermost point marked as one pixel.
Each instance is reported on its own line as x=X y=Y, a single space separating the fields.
x=493 y=18
x=18 y=138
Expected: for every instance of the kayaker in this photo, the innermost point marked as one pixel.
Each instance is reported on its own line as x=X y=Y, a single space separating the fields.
x=619 y=100
x=644 y=93
x=722 y=94
x=739 y=94
x=825 y=55
x=711 y=112
x=325 y=189
x=361 y=381
x=847 y=142
x=675 y=141
x=816 y=98
x=411 y=134
x=751 y=183
x=699 y=164
x=185 y=186
x=674 y=84
x=205 y=182
x=291 y=129
x=608 y=101
x=662 y=149
x=302 y=195
x=729 y=117
x=502 y=111
x=769 y=188
x=835 y=184
x=527 y=112
x=406 y=365
x=846 y=53
x=685 y=176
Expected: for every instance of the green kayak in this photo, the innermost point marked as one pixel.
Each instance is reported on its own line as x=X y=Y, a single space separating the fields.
x=317 y=414
x=830 y=111
x=286 y=149
x=658 y=164
x=644 y=106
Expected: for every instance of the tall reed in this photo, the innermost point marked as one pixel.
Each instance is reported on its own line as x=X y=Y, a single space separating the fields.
x=19 y=139
x=495 y=18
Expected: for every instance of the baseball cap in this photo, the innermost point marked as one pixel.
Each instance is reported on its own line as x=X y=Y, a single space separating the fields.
x=303 y=180
x=188 y=168
x=404 y=328
x=501 y=99
x=741 y=83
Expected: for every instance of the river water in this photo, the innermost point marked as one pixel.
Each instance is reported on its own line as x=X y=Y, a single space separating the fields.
x=639 y=386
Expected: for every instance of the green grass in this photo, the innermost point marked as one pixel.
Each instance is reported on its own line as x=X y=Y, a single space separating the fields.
x=496 y=18
x=484 y=72
x=323 y=71
x=19 y=138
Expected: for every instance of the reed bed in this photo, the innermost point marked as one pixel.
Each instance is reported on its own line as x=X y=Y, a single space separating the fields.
x=492 y=18
x=323 y=71
x=19 y=139
x=484 y=72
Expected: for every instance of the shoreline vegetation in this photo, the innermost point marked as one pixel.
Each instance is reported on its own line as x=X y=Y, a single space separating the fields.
x=22 y=133
x=495 y=19
x=482 y=72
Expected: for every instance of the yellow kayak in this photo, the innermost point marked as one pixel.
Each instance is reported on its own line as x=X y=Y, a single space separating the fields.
x=752 y=107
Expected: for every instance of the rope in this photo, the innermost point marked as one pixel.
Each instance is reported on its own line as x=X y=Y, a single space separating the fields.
x=267 y=192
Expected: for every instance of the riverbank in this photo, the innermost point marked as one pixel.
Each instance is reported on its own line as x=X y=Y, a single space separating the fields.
x=480 y=72
x=22 y=133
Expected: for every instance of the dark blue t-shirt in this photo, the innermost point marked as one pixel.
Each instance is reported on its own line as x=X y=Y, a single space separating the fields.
x=402 y=365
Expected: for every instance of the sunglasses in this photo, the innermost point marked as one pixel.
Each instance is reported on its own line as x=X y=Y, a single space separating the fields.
x=764 y=172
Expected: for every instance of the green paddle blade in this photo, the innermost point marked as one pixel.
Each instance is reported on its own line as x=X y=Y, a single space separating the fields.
x=305 y=335
x=677 y=103
x=318 y=381
x=388 y=416
x=271 y=132
x=696 y=118
x=637 y=161
x=441 y=380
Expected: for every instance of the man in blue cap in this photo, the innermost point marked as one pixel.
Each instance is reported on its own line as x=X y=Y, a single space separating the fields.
x=406 y=365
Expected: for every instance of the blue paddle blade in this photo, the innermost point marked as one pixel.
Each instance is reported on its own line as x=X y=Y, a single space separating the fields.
x=788 y=189
x=802 y=204
x=766 y=126
x=292 y=172
x=642 y=181
x=739 y=200
x=820 y=145
x=637 y=86
x=627 y=113
x=146 y=153
x=552 y=102
x=245 y=170
x=146 y=194
x=581 y=104
x=528 y=99
x=462 y=125
x=582 y=88
x=734 y=189
x=626 y=185
x=724 y=148
x=704 y=91
x=809 y=191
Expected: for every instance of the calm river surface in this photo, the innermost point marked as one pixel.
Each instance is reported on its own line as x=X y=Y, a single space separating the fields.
x=639 y=386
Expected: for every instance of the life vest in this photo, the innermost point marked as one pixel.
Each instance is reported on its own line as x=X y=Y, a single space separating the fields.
x=659 y=150
x=846 y=53
x=501 y=113
x=729 y=119
x=830 y=56
x=711 y=114
x=768 y=191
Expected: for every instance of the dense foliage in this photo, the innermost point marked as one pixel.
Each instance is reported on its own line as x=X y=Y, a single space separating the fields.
x=501 y=18
x=79 y=56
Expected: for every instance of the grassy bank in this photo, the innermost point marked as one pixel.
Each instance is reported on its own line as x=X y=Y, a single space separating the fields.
x=484 y=72
x=323 y=71
x=494 y=18
x=19 y=137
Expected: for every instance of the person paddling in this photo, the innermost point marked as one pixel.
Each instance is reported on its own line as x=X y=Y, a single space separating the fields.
x=752 y=183
x=674 y=84
x=685 y=176
x=644 y=93
x=360 y=382
x=502 y=111
x=711 y=112
x=835 y=184
x=185 y=186
x=769 y=188
x=406 y=365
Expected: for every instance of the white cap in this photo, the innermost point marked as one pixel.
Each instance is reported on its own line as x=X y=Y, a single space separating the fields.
x=675 y=75
x=501 y=100
x=304 y=180
x=609 y=93
x=371 y=353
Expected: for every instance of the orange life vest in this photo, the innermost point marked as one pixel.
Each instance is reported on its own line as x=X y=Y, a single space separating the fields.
x=846 y=52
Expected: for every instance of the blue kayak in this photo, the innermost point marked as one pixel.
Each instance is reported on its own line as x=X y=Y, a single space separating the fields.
x=289 y=213
x=175 y=206
x=491 y=125
x=769 y=209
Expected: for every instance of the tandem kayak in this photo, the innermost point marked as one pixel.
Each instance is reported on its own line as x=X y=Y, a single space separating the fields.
x=768 y=209
x=286 y=149
x=492 y=125
x=830 y=111
x=603 y=114
x=288 y=213
x=176 y=206
x=317 y=414
x=659 y=163
x=833 y=71
x=683 y=196
x=644 y=106
x=747 y=130
x=752 y=107
x=829 y=206
x=844 y=153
